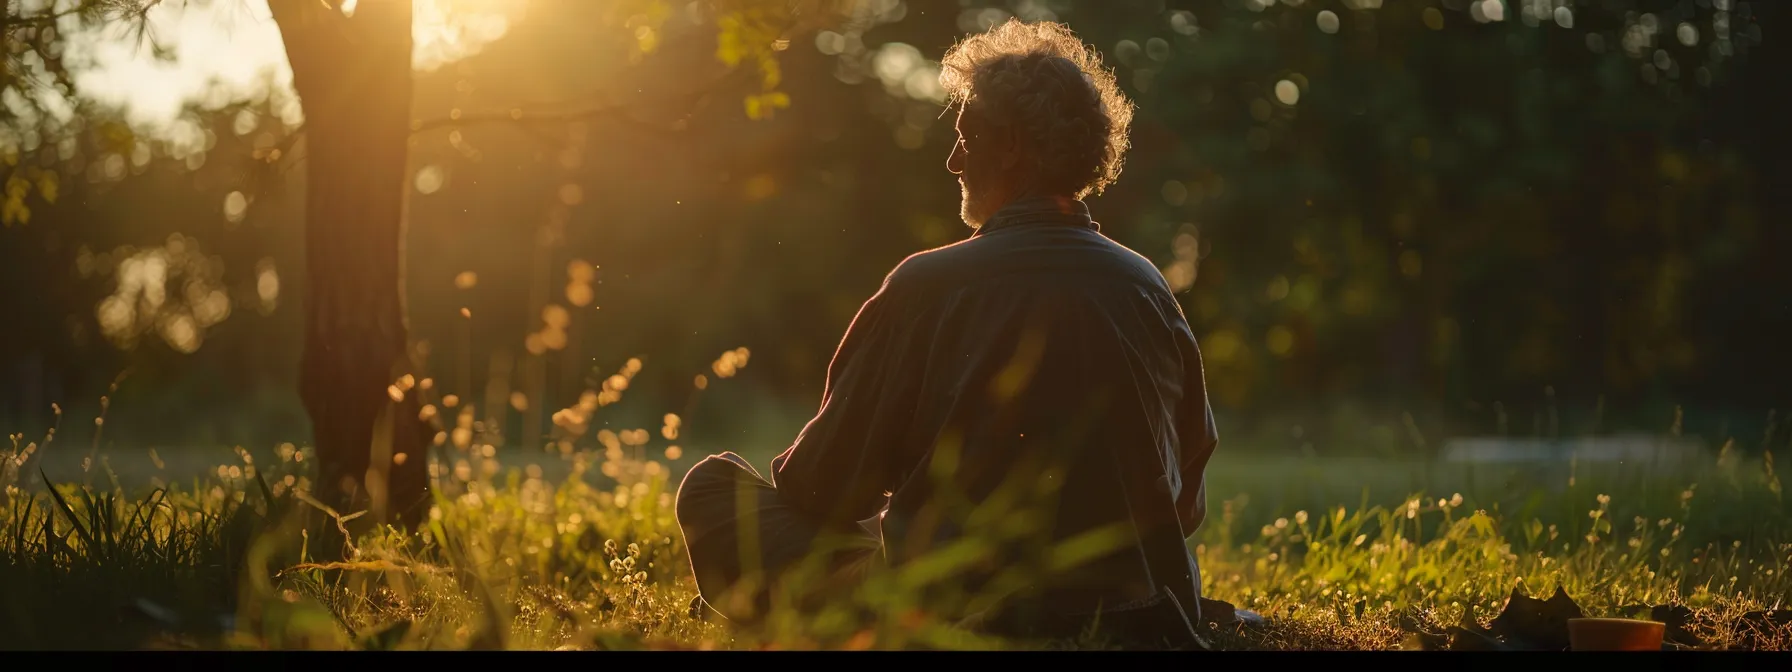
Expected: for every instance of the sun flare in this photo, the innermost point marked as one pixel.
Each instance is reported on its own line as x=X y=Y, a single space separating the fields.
x=233 y=50
x=445 y=31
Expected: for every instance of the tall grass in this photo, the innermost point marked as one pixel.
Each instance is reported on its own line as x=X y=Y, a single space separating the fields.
x=510 y=559
x=523 y=563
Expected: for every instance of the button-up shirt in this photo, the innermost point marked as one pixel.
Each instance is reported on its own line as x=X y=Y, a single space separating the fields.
x=1029 y=398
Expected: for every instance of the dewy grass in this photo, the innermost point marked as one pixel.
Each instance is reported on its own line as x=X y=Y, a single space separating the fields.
x=509 y=559
x=523 y=563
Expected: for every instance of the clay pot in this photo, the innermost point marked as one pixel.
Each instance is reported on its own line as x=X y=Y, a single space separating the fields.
x=1615 y=634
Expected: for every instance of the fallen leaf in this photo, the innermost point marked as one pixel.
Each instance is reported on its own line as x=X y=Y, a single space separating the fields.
x=1758 y=627
x=1412 y=620
x=1426 y=641
x=1778 y=618
x=1533 y=624
x=1676 y=618
x=1466 y=639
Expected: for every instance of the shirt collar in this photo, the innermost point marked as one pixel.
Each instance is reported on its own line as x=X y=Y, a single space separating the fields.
x=1040 y=210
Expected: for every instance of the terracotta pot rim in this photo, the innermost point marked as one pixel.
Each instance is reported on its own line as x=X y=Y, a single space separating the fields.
x=1626 y=621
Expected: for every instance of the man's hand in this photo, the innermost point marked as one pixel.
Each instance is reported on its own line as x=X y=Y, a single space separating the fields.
x=778 y=464
x=1192 y=509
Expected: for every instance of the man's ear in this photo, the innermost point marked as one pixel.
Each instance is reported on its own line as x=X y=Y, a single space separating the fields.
x=1006 y=141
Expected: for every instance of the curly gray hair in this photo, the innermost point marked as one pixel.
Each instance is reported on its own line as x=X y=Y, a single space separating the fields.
x=1043 y=81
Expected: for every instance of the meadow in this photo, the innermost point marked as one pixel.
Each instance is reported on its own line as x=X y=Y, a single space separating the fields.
x=577 y=548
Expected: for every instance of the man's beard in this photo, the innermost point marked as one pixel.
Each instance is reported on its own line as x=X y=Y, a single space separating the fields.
x=970 y=207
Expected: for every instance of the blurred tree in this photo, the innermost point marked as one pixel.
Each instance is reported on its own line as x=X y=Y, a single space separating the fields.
x=351 y=65
x=41 y=106
x=351 y=68
x=1391 y=206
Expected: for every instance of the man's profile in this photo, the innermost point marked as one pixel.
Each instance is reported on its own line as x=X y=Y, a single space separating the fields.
x=1031 y=397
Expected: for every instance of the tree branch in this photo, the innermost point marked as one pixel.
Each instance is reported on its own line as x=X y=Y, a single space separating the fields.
x=616 y=111
x=519 y=116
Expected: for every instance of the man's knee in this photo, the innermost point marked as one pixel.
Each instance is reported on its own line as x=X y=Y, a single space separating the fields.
x=714 y=470
x=710 y=477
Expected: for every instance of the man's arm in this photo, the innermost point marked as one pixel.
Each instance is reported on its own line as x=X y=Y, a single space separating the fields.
x=1199 y=438
x=845 y=459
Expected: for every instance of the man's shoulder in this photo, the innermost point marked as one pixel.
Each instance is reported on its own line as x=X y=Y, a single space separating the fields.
x=1137 y=264
x=982 y=257
x=932 y=266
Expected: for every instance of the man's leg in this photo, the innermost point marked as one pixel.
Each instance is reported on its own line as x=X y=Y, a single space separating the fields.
x=742 y=540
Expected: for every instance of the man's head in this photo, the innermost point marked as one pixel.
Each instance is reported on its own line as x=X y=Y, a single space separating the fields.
x=1038 y=116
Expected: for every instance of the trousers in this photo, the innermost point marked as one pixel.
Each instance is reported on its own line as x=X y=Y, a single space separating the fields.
x=745 y=545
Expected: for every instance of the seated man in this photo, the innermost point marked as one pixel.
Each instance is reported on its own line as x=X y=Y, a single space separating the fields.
x=1029 y=399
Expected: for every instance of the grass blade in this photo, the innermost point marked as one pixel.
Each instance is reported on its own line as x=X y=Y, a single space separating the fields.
x=267 y=494
x=145 y=510
x=68 y=512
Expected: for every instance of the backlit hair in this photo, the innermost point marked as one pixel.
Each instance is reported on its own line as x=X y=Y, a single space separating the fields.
x=1043 y=81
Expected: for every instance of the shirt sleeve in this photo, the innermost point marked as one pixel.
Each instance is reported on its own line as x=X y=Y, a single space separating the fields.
x=1199 y=438
x=846 y=460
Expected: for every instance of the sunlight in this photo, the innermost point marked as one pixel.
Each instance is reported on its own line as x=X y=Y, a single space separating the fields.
x=141 y=300
x=231 y=50
x=1386 y=310
x=446 y=31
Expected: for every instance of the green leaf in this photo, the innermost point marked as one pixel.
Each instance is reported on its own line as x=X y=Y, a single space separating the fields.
x=48 y=185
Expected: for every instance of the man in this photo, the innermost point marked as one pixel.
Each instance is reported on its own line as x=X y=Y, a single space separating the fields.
x=1027 y=404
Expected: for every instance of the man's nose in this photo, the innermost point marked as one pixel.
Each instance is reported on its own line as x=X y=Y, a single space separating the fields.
x=955 y=160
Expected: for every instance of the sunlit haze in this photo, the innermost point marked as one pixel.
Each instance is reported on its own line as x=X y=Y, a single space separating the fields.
x=1278 y=324
x=235 y=44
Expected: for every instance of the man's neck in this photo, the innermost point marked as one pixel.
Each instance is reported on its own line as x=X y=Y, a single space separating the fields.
x=1037 y=209
x=1031 y=199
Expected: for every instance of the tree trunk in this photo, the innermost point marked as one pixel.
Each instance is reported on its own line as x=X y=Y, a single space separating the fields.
x=353 y=78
